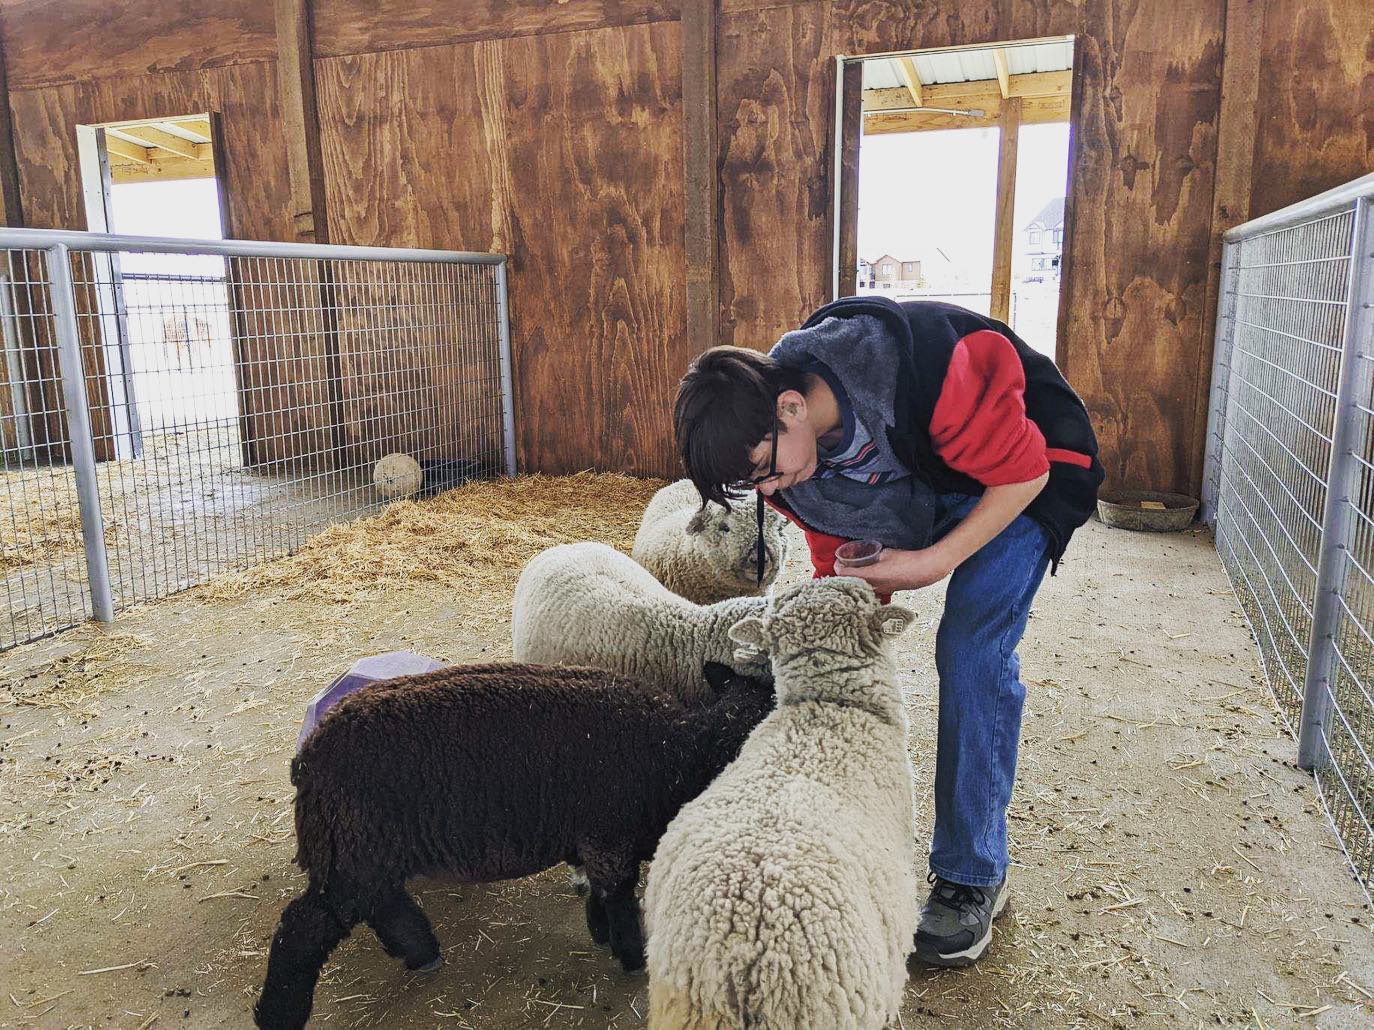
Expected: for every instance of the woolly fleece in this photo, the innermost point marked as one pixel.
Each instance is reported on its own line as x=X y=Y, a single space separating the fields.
x=786 y=895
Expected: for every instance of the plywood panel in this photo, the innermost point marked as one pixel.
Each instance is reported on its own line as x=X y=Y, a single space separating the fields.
x=410 y=161
x=564 y=151
x=776 y=102
x=365 y=26
x=1142 y=180
x=1316 y=100
x=48 y=43
x=879 y=26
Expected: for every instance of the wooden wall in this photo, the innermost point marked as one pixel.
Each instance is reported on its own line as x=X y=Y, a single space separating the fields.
x=554 y=131
x=563 y=150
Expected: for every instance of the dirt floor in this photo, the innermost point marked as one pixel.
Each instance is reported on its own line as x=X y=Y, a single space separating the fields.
x=1173 y=868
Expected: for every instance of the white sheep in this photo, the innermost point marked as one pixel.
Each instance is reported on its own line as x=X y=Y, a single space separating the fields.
x=786 y=894
x=708 y=554
x=588 y=604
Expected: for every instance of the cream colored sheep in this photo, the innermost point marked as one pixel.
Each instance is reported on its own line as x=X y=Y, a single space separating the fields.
x=588 y=604
x=708 y=554
x=785 y=896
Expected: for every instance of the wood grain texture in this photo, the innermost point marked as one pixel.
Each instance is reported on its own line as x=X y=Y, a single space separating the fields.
x=878 y=26
x=1142 y=178
x=1004 y=225
x=851 y=136
x=1236 y=139
x=1037 y=19
x=564 y=151
x=1316 y=100
x=776 y=102
x=48 y=43
x=296 y=73
x=344 y=27
x=11 y=203
x=701 y=192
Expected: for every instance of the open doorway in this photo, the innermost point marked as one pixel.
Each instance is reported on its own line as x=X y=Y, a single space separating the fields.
x=952 y=169
x=172 y=321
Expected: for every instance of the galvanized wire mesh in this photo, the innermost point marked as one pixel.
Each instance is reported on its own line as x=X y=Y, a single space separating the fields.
x=1290 y=485
x=237 y=404
x=41 y=555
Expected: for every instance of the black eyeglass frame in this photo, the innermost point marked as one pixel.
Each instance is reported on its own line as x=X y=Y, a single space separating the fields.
x=756 y=482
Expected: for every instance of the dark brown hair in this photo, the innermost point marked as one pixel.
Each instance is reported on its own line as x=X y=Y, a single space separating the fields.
x=727 y=405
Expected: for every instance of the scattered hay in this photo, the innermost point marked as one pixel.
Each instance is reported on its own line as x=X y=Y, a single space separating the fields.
x=71 y=681
x=40 y=520
x=473 y=540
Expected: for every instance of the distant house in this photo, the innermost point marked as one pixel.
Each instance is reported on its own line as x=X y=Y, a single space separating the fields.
x=866 y=277
x=890 y=273
x=1044 y=242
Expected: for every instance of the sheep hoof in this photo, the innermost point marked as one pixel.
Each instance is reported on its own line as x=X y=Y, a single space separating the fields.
x=577 y=878
x=430 y=966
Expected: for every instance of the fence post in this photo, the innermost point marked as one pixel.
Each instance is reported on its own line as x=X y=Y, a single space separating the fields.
x=79 y=429
x=1337 y=521
x=1225 y=336
x=507 y=375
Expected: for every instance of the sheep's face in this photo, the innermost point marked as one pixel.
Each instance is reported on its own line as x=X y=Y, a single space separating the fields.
x=726 y=541
x=838 y=616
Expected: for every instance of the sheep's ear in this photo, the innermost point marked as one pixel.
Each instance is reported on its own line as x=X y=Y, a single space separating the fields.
x=699 y=521
x=891 y=620
x=717 y=675
x=751 y=632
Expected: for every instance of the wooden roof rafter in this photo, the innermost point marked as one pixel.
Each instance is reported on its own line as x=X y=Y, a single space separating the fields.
x=160 y=149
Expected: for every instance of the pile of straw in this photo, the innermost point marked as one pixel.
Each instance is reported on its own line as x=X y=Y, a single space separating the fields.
x=474 y=541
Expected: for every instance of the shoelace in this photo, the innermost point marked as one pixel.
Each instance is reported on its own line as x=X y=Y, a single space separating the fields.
x=956 y=896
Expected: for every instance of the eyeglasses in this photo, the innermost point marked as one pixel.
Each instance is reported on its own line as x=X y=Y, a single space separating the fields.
x=756 y=481
x=773 y=473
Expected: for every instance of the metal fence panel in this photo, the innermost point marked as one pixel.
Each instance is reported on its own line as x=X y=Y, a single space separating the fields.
x=225 y=401
x=1289 y=481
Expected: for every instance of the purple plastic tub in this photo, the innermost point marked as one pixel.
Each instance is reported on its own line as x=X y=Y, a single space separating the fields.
x=364 y=671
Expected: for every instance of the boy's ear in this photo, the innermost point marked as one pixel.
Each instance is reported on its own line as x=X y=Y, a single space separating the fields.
x=752 y=632
x=891 y=620
x=699 y=521
x=717 y=675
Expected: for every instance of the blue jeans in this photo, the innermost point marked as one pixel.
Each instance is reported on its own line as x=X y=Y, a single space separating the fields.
x=987 y=604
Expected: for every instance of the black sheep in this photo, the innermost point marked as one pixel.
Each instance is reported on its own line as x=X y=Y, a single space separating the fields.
x=484 y=773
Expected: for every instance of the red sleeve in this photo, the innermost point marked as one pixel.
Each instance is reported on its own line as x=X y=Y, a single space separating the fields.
x=980 y=426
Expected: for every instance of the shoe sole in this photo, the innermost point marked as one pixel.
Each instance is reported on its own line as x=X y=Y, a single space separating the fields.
x=958 y=959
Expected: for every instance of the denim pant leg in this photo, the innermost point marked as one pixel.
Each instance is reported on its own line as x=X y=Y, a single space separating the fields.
x=987 y=604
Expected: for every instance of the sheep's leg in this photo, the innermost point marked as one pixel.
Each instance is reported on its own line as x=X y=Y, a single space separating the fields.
x=613 y=873
x=577 y=879
x=622 y=913
x=309 y=930
x=598 y=922
x=405 y=931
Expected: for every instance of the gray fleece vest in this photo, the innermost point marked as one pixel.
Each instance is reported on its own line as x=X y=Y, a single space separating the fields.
x=862 y=356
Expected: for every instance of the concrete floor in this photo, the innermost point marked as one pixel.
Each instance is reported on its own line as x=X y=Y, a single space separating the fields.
x=1173 y=868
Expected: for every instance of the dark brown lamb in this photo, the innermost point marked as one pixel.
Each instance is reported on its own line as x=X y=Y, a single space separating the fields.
x=485 y=773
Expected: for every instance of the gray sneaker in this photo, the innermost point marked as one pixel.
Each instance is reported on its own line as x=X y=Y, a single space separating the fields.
x=956 y=923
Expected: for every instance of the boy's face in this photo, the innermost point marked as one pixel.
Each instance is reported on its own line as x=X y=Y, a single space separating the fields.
x=795 y=461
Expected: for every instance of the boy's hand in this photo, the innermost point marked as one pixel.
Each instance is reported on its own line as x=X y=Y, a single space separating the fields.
x=901 y=570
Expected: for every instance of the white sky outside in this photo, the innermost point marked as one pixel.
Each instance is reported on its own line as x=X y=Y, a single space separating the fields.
x=925 y=192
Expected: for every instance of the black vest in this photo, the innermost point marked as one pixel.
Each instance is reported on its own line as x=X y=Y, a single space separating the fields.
x=928 y=333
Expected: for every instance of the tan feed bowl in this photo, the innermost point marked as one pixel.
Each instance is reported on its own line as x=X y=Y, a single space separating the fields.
x=1146 y=510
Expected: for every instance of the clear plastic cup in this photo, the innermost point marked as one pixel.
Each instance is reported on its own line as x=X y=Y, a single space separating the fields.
x=858 y=553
